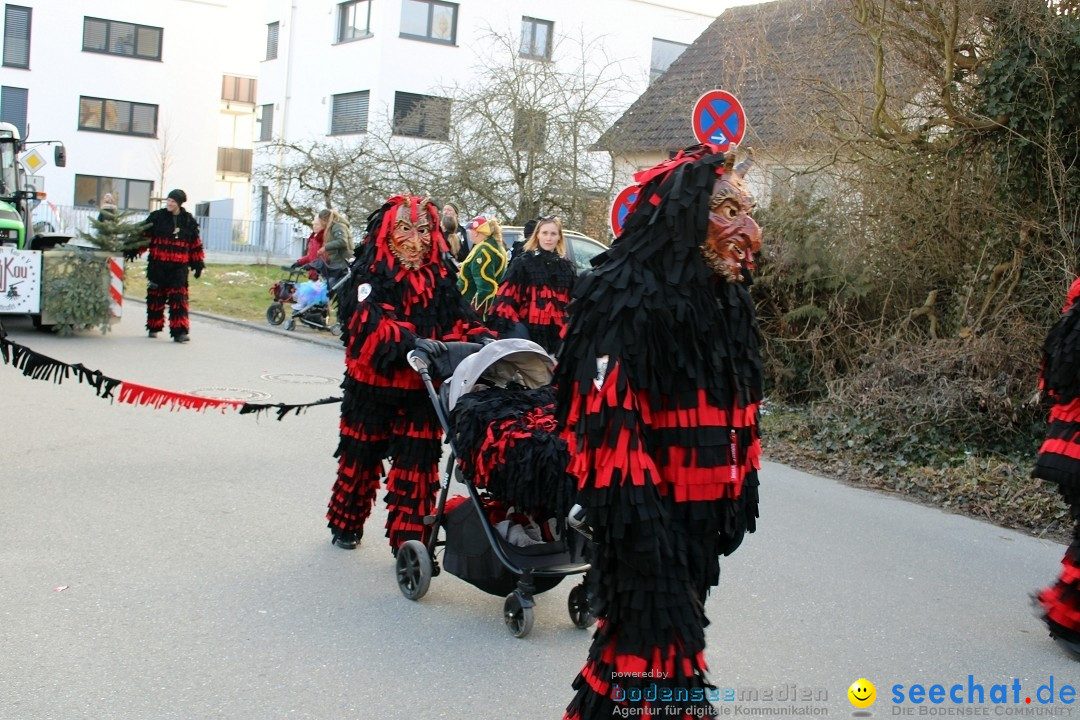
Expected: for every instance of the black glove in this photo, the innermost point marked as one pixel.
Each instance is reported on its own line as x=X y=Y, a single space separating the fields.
x=198 y=270
x=294 y=265
x=431 y=348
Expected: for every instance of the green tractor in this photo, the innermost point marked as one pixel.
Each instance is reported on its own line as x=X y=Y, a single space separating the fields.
x=18 y=195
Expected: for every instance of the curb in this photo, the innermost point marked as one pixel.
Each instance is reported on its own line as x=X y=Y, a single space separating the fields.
x=329 y=341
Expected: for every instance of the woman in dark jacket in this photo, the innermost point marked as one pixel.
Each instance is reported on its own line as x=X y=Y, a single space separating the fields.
x=532 y=298
x=314 y=246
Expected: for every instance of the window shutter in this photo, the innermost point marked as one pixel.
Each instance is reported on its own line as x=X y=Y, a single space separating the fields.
x=13 y=103
x=272 y=40
x=350 y=113
x=17 y=36
x=266 y=123
x=95 y=34
x=144 y=119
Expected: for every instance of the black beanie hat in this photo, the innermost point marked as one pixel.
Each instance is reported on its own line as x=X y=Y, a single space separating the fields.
x=178 y=195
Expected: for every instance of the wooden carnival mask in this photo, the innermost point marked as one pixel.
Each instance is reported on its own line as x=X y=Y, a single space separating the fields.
x=411 y=239
x=732 y=236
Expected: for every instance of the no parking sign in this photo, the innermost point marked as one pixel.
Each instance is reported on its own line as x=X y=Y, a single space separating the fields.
x=719 y=119
x=621 y=208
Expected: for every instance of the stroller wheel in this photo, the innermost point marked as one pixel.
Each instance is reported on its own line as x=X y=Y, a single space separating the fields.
x=518 y=618
x=275 y=314
x=578 y=605
x=290 y=324
x=335 y=329
x=413 y=569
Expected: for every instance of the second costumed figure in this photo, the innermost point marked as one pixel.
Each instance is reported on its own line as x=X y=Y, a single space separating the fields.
x=659 y=383
x=402 y=295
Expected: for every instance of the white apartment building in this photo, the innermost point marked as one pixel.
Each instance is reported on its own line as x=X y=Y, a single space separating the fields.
x=146 y=95
x=334 y=69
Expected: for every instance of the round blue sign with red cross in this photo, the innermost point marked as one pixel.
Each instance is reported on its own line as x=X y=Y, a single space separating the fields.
x=621 y=207
x=719 y=119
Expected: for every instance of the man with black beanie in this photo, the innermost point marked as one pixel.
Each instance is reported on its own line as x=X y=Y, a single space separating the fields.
x=174 y=247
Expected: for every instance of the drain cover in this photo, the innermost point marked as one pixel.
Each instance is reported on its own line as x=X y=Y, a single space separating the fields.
x=223 y=393
x=299 y=379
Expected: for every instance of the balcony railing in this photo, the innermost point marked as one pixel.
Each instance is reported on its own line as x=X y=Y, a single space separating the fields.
x=234 y=161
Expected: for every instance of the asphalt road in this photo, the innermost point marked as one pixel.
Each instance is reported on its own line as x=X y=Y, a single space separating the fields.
x=159 y=564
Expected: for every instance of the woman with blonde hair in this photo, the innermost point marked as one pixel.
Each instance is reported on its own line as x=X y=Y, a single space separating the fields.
x=483 y=269
x=531 y=301
x=333 y=259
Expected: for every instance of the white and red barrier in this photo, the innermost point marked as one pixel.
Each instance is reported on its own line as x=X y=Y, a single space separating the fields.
x=116 y=286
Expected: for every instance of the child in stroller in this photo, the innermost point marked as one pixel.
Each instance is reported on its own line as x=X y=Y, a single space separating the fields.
x=311 y=299
x=509 y=536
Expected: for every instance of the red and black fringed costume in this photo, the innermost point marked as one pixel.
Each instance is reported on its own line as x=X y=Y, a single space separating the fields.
x=534 y=293
x=659 y=383
x=509 y=445
x=174 y=247
x=401 y=289
x=1059 y=462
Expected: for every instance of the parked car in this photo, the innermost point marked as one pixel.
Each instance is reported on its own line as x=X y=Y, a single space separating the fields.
x=579 y=248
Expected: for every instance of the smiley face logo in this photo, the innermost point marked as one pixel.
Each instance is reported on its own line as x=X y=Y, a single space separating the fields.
x=862 y=693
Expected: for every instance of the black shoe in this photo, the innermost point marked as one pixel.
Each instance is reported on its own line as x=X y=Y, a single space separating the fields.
x=183 y=337
x=346 y=540
x=152 y=333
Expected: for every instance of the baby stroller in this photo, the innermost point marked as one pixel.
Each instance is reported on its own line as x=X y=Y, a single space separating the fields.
x=311 y=300
x=501 y=381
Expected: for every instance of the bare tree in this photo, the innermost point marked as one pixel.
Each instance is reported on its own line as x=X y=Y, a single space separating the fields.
x=306 y=176
x=516 y=141
x=523 y=143
x=162 y=158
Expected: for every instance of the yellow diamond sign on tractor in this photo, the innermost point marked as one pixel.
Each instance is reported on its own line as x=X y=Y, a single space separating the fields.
x=33 y=161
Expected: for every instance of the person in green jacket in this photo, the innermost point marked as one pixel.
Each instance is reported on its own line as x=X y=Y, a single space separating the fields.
x=484 y=267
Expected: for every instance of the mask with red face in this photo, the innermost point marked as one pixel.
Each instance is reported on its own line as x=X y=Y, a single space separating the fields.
x=732 y=236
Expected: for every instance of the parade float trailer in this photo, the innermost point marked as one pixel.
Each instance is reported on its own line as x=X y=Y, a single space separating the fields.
x=56 y=284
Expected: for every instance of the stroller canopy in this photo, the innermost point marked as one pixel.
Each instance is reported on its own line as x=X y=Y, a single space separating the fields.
x=501 y=362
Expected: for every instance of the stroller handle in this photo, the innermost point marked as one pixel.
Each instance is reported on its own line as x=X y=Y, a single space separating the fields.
x=418 y=361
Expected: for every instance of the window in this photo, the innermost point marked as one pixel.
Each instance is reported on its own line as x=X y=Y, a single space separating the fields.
x=13 y=103
x=16 y=36
x=536 y=38
x=429 y=20
x=238 y=89
x=530 y=129
x=128 y=194
x=350 y=113
x=265 y=121
x=354 y=20
x=421 y=116
x=664 y=52
x=118 y=116
x=120 y=38
x=271 y=40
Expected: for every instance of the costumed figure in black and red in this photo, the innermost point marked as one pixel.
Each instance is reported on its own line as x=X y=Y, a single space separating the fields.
x=174 y=247
x=402 y=294
x=1059 y=462
x=532 y=298
x=659 y=383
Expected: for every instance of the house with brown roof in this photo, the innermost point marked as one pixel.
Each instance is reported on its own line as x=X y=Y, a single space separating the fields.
x=789 y=63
